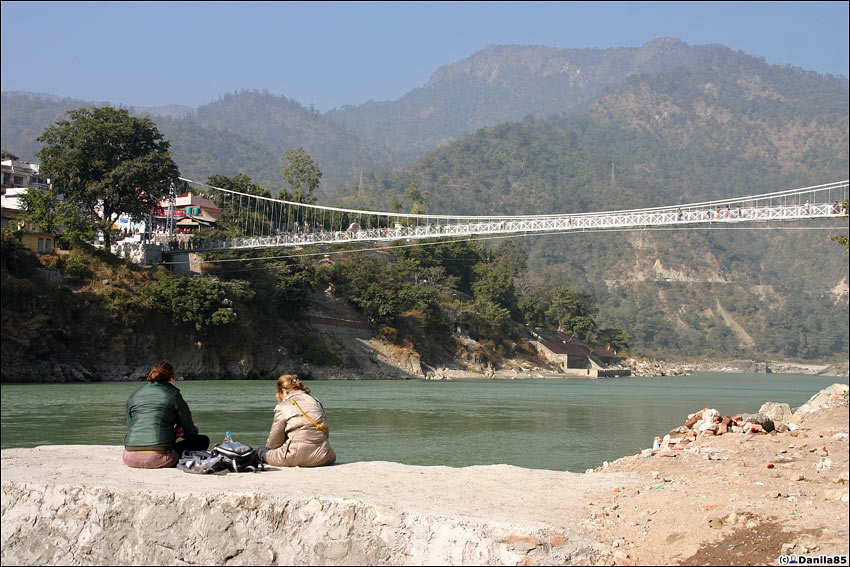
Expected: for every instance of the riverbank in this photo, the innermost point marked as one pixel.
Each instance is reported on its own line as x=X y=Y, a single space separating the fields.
x=692 y=506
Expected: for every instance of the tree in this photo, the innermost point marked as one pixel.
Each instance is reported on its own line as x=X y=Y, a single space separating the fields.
x=42 y=208
x=614 y=339
x=494 y=283
x=418 y=197
x=574 y=312
x=531 y=310
x=107 y=163
x=301 y=174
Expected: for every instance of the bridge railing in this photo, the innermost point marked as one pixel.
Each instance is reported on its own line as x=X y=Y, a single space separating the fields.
x=820 y=201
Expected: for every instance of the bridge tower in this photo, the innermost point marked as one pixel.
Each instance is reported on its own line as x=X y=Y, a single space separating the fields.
x=169 y=219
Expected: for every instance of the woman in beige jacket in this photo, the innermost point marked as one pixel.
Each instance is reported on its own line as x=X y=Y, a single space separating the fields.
x=299 y=434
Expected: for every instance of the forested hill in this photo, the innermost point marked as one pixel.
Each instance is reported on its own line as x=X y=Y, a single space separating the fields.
x=248 y=131
x=730 y=127
x=504 y=83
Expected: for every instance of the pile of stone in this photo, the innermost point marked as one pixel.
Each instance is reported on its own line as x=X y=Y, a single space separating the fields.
x=650 y=368
x=709 y=421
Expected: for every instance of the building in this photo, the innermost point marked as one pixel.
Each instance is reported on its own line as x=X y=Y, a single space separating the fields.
x=191 y=212
x=575 y=356
x=18 y=177
x=19 y=174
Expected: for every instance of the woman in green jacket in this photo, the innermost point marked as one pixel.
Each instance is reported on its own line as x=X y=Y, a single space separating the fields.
x=156 y=416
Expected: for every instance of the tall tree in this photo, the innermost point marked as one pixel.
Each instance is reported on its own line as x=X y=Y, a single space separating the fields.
x=301 y=174
x=574 y=312
x=107 y=163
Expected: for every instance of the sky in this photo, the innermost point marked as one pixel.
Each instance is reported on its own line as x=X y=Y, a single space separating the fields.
x=330 y=54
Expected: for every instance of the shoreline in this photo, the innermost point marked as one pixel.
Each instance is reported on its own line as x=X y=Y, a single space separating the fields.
x=694 y=505
x=640 y=369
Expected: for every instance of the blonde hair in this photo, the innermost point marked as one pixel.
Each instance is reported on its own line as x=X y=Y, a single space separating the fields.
x=289 y=382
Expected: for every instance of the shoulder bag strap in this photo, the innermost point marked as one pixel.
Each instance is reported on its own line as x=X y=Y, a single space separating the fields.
x=319 y=426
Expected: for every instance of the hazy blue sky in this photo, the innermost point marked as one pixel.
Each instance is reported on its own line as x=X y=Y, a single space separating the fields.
x=335 y=53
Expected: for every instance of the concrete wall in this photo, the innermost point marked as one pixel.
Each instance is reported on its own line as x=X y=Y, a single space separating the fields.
x=63 y=525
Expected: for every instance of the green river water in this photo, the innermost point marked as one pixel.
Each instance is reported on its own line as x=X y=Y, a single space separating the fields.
x=571 y=424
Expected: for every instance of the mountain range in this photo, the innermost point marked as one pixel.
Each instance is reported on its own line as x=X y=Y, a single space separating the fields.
x=535 y=129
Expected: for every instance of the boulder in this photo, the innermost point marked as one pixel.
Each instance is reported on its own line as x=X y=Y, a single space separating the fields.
x=824 y=398
x=779 y=413
x=759 y=419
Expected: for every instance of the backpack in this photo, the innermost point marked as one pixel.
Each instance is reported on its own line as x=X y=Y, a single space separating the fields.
x=239 y=457
x=229 y=457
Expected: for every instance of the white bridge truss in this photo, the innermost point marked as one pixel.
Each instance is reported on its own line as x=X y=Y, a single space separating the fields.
x=816 y=202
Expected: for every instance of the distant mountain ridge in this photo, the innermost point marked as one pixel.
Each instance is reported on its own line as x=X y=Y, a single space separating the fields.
x=492 y=86
x=531 y=130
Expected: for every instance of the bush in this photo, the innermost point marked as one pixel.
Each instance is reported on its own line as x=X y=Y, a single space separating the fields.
x=199 y=301
x=78 y=264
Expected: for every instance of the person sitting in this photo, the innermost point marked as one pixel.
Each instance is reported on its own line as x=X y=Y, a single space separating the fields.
x=157 y=415
x=299 y=432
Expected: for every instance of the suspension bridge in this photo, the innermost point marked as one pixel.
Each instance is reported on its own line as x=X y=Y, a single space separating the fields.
x=267 y=222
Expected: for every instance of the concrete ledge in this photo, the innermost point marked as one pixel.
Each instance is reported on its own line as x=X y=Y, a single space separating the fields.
x=81 y=505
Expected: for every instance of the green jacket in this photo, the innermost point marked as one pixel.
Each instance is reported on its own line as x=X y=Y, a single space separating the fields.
x=153 y=413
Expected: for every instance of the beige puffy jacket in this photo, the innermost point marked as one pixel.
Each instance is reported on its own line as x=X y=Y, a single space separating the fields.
x=294 y=441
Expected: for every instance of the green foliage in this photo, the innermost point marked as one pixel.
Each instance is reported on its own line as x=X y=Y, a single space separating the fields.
x=293 y=293
x=301 y=175
x=77 y=264
x=107 y=163
x=488 y=321
x=233 y=218
x=313 y=351
x=199 y=301
x=532 y=310
x=495 y=284
x=615 y=340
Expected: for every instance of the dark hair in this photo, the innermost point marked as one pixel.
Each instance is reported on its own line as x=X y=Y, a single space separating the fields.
x=161 y=372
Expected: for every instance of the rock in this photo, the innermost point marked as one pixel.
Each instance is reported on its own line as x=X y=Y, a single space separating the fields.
x=759 y=419
x=836 y=494
x=779 y=413
x=827 y=396
x=715 y=523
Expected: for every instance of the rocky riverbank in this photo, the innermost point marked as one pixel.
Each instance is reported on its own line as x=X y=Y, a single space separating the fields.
x=650 y=367
x=735 y=499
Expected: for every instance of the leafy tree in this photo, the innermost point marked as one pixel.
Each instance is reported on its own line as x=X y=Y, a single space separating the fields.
x=495 y=284
x=293 y=292
x=614 y=339
x=532 y=311
x=301 y=174
x=418 y=197
x=512 y=254
x=567 y=307
x=8 y=155
x=106 y=163
x=489 y=320
x=199 y=301
x=232 y=218
x=43 y=208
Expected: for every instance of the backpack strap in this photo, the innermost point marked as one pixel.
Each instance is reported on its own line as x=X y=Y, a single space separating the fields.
x=319 y=426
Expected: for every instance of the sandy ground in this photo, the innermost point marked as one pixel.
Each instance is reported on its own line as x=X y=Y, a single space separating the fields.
x=735 y=499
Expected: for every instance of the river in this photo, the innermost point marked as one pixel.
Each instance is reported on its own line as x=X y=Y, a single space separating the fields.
x=572 y=424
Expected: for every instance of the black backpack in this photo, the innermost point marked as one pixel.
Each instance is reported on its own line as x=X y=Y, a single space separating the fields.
x=225 y=458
